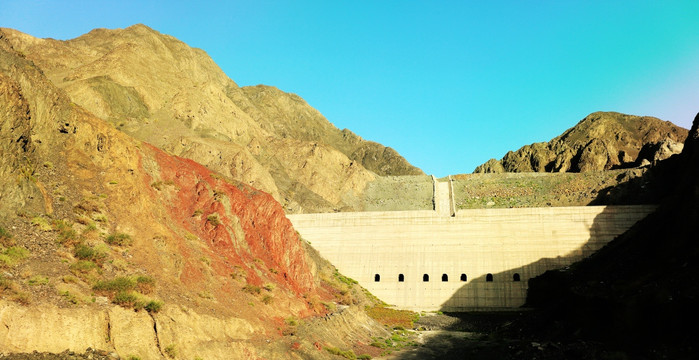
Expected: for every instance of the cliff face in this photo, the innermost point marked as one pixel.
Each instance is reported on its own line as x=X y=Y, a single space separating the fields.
x=601 y=141
x=95 y=224
x=160 y=90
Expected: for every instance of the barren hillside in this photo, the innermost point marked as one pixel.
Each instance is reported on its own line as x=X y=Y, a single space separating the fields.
x=110 y=243
x=159 y=90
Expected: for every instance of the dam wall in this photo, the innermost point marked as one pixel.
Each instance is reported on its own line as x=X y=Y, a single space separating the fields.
x=474 y=260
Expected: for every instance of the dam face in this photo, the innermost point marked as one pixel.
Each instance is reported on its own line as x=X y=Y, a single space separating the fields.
x=463 y=260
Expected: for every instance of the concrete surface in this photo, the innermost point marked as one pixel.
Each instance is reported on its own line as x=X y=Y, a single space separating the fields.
x=475 y=243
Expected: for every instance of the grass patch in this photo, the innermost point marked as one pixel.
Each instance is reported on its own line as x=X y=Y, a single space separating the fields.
x=119 y=239
x=118 y=284
x=392 y=317
x=267 y=299
x=38 y=280
x=347 y=354
x=12 y=255
x=85 y=252
x=41 y=223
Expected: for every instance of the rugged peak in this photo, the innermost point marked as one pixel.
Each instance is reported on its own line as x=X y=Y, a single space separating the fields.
x=602 y=140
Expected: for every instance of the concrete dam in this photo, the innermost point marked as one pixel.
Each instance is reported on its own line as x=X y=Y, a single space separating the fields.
x=460 y=260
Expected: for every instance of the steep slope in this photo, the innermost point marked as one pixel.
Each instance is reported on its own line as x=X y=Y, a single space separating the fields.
x=639 y=292
x=160 y=90
x=600 y=141
x=95 y=224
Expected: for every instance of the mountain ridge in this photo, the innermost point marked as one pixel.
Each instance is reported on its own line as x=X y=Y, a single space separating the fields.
x=158 y=89
x=600 y=141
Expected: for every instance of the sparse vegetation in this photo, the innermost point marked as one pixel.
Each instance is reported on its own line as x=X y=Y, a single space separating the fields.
x=70 y=297
x=66 y=235
x=12 y=255
x=158 y=185
x=119 y=239
x=85 y=252
x=82 y=267
x=154 y=306
x=213 y=220
x=347 y=354
x=6 y=239
x=145 y=284
x=10 y=290
x=205 y=294
x=38 y=280
x=170 y=351
x=118 y=284
x=267 y=299
x=41 y=223
x=392 y=317
x=252 y=289
x=128 y=292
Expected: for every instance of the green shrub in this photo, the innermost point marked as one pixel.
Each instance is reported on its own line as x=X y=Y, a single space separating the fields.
x=118 y=284
x=154 y=306
x=84 y=252
x=119 y=239
x=125 y=298
x=252 y=289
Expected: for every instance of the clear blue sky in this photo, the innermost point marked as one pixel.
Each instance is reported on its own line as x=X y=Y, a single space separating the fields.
x=449 y=84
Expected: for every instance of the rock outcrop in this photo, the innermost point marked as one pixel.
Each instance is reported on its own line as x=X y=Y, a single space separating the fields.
x=601 y=141
x=161 y=91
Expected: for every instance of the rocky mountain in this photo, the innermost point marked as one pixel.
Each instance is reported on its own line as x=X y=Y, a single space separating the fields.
x=639 y=292
x=161 y=91
x=110 y=243
x=600 y=141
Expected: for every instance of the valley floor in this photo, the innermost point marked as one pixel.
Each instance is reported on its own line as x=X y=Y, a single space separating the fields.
x=492 y=335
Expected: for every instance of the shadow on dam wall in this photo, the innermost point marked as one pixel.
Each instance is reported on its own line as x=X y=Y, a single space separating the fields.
x=510 y=287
